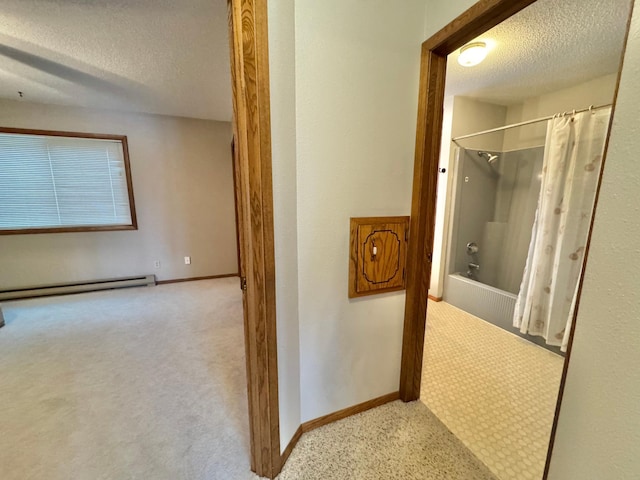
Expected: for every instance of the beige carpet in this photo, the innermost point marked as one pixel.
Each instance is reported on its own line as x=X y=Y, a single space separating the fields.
x=494 y=390
x=402 y=441
x=144 y=383
x=149 y=383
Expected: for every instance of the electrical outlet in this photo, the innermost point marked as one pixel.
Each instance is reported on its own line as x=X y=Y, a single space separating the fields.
x=156 y=264
x=187 y=260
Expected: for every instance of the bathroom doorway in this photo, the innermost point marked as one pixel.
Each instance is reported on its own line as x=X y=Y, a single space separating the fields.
x=509 y=193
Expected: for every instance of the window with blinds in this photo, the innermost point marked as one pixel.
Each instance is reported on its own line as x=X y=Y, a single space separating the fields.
x=51 y=181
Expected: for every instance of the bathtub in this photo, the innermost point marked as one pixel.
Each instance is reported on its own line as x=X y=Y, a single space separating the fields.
x=489 y=303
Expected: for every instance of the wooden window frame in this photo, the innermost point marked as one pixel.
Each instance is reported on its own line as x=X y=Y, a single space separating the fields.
x=81 y=228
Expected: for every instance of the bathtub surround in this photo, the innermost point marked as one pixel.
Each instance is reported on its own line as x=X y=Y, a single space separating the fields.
x=494 y=208
x=476 y=188
x=515 y=210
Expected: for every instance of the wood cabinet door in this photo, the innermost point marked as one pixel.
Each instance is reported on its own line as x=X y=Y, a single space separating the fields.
x=378 y=255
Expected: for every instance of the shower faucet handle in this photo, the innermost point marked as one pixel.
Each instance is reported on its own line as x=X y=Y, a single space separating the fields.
x=472 y=247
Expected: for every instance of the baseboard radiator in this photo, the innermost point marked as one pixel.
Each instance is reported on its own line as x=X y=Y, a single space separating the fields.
x=77 y=287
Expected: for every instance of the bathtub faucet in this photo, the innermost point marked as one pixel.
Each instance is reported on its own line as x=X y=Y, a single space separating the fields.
x=473 y=268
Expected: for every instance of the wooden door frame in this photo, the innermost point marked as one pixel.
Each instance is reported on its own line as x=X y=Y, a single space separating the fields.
x=481 y=17
x=236 y=206
x=252 y=139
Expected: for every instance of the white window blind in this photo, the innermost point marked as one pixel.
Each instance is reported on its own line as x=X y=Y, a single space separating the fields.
x=57 y=182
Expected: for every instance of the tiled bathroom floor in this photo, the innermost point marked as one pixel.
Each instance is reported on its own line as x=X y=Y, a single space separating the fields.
x=496 y=392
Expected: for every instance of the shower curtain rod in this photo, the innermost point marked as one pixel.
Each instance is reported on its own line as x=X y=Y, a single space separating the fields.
x=528 y=122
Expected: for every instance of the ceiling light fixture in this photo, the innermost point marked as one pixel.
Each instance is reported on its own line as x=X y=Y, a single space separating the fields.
x=472 y=54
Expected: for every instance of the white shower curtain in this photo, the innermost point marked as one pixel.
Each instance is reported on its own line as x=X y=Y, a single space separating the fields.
x=572 y=160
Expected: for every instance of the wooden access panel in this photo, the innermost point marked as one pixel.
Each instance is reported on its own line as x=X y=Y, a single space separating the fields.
x=377 y=255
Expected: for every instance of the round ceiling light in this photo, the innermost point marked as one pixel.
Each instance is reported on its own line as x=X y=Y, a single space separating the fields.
x=472 y=54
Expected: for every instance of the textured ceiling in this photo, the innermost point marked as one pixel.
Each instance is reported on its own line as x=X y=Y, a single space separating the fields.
x=171 y=56
x=552 y=44
x=156 y=56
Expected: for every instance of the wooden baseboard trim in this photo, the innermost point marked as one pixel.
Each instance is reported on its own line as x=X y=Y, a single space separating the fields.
x=347 y=412
x=193 y=279
x=291 y=446
x=435 y=299
x=334 y=417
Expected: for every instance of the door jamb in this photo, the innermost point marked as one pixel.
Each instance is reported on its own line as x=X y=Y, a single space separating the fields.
x=481 y=17
x=252 y=139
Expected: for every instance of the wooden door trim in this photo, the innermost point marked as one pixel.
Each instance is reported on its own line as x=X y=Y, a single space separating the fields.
x=481 y=17
x=235 y=200
x=252 y=140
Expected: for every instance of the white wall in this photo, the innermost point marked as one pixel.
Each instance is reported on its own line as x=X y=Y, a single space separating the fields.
x=183 y=187
x=283 y=143
x=357 y=68
x=598 y=91
x=599 y=424
x=440 y=13
x=599 y=427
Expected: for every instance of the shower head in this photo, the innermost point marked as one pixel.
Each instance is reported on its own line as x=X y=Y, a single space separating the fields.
x=489 y=157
